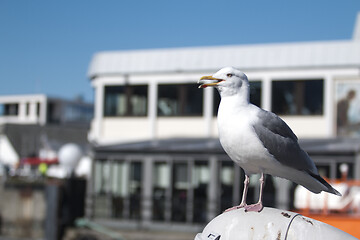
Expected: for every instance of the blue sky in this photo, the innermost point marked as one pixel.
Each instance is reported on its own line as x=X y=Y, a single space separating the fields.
x=46 y=45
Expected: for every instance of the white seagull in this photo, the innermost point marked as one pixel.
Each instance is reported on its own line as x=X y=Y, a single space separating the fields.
x=257 y=140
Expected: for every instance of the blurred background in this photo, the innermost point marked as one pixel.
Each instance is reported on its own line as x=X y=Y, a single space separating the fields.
x=105 y=135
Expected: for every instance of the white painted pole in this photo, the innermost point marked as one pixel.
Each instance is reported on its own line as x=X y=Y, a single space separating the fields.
x=270 y=223
x=208 y=111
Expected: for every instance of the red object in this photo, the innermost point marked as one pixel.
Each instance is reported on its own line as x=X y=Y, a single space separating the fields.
x=344 y=222
x=37 y=161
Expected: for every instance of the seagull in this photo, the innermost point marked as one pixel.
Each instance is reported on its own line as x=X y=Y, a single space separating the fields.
x=259 y=141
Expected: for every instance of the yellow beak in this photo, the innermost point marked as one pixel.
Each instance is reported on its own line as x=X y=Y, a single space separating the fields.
x=209 y=81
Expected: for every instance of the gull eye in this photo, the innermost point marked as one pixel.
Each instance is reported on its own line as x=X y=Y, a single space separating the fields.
x=229 y=75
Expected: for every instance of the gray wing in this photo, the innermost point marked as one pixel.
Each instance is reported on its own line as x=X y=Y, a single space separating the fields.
x=281 y=142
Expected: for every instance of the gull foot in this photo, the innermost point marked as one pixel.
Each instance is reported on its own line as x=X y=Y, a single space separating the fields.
x=254 y=207
x=235 y=207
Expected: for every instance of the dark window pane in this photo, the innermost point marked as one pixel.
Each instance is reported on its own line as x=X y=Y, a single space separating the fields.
x=200 y=183
x=125 y=100
x=135 y=189
x=27 y=109
x=101 y=189
x=37 y=109
x=53 y=112
x=216 y=103
x=161 y=187
x=180 y=190
x=10 y=109
x=179 y=100
x=302 y=97
x=255 y=93
x=118 y=190
x=226 y=184
x=348 y=173
x=255 y=96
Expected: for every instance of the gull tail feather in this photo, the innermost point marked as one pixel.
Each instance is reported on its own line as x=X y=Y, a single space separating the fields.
x=328 y=187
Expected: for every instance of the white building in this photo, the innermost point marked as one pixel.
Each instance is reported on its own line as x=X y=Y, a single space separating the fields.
x=160 y=87
x=155 y=132
x=30 y=123
x=23 y=109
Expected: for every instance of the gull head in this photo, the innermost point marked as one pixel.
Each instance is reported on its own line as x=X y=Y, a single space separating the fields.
x=228 y=81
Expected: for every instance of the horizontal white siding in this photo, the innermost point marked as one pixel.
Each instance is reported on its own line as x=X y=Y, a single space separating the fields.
x=117 y=129
x=259 y=56
x=308 y=127
x=180 y=127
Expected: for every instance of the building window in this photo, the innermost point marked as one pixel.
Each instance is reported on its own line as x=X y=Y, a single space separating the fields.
x=179 y=100
x=255 y=96
x=255 y=93
x=27 y=109
x=37 y=109
x=226 y=178
x=135 y=189
x=117 y=188
x=300 y=97
x=126 y=100
x=101 y=189
x=200 y=183
x=161 y=187
x=180 y=192
x=53 y=112
x=9 y=109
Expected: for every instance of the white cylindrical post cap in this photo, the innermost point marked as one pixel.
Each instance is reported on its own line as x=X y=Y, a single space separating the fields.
x=270 y=223
x=69 y=155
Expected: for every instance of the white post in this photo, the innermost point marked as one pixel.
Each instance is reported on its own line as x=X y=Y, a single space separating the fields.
x=22 y=111
x=270 y=223
x=266 y=94
x=208 y=110
x=98 y=111
x=152 y=109
x=32 y=112
x=357 y=166
x=329 y=104
x=43 y=110
x=212 y=188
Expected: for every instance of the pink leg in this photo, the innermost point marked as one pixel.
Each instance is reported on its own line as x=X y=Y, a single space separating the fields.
x=257 y=207
x=246 y=187
x=243 y=200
